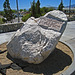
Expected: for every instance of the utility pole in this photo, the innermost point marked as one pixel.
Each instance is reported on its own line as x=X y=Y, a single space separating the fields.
x=62 y=1
x=69 y=8
x=17 y=10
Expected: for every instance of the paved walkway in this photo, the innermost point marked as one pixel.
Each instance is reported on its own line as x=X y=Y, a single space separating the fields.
x=68 y=38
x=4 y=37
x=69 y=33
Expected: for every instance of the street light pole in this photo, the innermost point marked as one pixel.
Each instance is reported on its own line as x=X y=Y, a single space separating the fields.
x=17 y=10
x=69 y=8
x=62 y=1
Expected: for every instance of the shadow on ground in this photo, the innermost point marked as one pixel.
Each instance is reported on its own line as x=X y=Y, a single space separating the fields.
x=56 y=62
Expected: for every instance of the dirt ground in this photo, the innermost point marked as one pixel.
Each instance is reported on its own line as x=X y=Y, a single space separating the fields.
x=57 y=62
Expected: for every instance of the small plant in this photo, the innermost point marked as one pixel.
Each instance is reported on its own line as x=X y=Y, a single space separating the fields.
x=1 y=21
x=42 y=14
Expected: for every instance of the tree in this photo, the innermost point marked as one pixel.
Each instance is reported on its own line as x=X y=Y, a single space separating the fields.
x=2 y=13
x=38 y=7
x=29 y=10
x=60 y=7
x=24 y=10
x=21 y=10
x=33 y=8
x=24 y=18
x=7 y=10
x=14 y=11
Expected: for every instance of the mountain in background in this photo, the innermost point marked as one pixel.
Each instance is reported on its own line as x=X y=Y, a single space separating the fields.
x=72 y=6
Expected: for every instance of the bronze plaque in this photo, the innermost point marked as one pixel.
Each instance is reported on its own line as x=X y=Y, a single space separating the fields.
x=51 y=23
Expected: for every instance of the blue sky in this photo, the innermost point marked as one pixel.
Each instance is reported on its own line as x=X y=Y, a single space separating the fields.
x=26 y=3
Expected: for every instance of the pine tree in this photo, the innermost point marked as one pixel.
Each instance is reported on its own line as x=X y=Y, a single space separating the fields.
x=38 y=7
x=60 y=7
x=33 y=8
x=7 y=10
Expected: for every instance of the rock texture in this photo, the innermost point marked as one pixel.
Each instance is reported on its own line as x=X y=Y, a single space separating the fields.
x=56 y=14
x=37 y=38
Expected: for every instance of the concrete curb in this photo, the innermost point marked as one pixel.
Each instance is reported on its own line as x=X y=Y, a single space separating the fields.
x=71 y=69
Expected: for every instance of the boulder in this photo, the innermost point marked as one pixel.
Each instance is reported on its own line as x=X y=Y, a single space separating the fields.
x=37 y=38
x=59 y=15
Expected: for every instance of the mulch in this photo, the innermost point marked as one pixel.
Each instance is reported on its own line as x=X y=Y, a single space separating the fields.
x=57 y=62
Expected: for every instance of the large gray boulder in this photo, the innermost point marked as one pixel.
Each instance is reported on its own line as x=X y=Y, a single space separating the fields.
x=37 y=38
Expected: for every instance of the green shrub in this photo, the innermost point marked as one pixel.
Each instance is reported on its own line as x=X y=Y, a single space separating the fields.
x=24 y=18
x=42 y=14
x=37 y=15
x=4 y=20
x=1 y=21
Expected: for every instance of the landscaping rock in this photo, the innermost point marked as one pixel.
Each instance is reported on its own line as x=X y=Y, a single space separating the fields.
x=37 y=38
x=3 y=71
x=15 y=66
x=3 y=68
x=2 y=51
x=56 y=14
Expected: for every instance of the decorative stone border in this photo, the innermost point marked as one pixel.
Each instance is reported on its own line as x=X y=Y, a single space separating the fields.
x=71 y=68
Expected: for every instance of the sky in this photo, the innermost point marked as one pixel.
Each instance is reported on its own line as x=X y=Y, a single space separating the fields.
x=26 y=4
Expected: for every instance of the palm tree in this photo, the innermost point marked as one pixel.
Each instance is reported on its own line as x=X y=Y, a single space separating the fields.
x=62 y=1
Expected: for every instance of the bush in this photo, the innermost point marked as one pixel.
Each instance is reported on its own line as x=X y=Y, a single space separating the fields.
x=4 y=20
x=43 y=14
x=46 y=9
x=37 y=15
x=1 y=21
x=24 y=18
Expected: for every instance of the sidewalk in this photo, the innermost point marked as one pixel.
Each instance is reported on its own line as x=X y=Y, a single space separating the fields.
x=68 y=38
x=69 y=33
x=4 y=37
